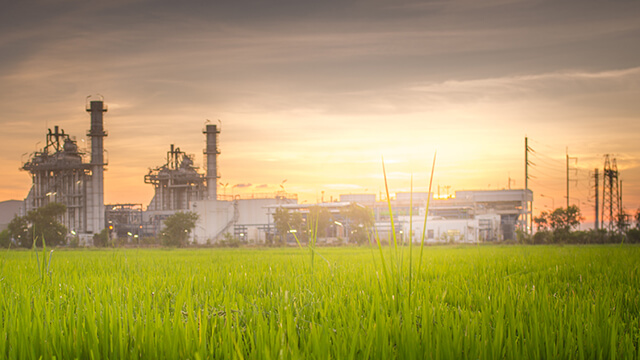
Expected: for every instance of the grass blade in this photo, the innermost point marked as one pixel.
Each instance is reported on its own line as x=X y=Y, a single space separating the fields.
x=424 y=228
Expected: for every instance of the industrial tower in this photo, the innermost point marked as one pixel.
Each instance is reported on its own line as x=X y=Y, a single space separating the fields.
x=611 y=205
x=178 y=182
x=60 y=174
x=212 y=152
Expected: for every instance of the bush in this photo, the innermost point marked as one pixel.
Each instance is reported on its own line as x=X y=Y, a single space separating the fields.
x=177 y=228
x=230 y=241
x=633 y=236
x=523 y=238
x=101 y=239
x=149 y=240
x=74 y=241
x=5 y=238
x=543 y=237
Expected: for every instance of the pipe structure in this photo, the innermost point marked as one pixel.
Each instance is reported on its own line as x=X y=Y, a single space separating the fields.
x=95 y=196
x=212 y=152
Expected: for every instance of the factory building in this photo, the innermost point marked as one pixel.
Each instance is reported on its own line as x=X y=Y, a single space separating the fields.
x=60 y=173
x=180 y=186
x=467 y=216
x=247 y=217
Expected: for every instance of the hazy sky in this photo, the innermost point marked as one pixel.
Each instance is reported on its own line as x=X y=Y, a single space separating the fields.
x=316 y=92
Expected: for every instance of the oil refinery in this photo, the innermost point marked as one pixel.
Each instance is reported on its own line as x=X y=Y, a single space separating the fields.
x=62 y=172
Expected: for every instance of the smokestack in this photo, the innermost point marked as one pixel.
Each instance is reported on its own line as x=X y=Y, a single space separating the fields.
x=95 y=195
x=212 y=154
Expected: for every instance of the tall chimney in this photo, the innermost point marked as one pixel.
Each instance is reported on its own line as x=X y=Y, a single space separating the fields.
x=95 y=197
x=212 y=152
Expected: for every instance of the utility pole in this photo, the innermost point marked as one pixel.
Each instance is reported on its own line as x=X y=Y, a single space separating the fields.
x=528 y=206
x=567 y=153
x=569 y=158
x=597 y=180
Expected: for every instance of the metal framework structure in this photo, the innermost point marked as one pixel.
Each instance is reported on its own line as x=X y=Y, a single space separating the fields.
x=124 y=220
x=176 y=183
x=60 y=174
x=610 y=194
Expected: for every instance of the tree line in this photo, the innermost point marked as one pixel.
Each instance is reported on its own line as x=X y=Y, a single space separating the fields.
x=41 y=226
x=560 y=227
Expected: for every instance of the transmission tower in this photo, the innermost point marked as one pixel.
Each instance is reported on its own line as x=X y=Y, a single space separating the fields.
x=596 y=179
x=610 y=194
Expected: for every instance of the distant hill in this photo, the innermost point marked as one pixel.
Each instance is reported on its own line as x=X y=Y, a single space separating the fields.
x=8 y=209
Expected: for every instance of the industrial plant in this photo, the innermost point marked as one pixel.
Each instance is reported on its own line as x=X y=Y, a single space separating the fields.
x=62 y=172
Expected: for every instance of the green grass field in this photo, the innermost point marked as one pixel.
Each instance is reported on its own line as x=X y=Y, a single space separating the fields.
x=486 y=302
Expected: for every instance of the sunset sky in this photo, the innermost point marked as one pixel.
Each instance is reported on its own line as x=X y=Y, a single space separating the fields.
x=317 y=92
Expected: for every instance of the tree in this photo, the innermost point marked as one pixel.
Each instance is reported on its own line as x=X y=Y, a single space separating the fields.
x=286 y=222
x=45 y=226
x=296 y=223
x=561 y=221
x=40 y=224
x=281 y=222
x=541 y=221
x=177 y=228
x=565 y=219
x=319 y=220
x=101 y=239
x=19 y=231
x=359 y=222
x=5 y=238
x=638 y=219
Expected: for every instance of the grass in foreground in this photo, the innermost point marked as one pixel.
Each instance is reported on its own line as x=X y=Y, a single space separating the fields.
x=469 y=302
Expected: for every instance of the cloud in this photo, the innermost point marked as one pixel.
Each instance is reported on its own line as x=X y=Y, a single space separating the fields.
x=316 y=92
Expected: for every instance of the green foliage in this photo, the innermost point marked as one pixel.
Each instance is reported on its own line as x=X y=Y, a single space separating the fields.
x=561 y=222
x=487 y=302
x=565 y=219
x=523 y=238
x=5 y=238
x=177 y=228
x=560 y=219
x=359 y=222
x=543 y=237
x=541 y=221
x=286 y=221
x=228 y=240
x=39 y=224
x=633 y=236
x=74 y=241
x=19 y=230
x=319 y=219
x=101 y=239
x=149 y=240
x=586 y=237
